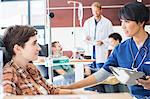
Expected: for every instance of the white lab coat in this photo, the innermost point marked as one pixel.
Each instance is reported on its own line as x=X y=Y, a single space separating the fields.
x=103 y=29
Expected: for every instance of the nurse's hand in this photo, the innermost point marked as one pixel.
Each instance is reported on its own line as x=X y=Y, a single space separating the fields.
x=145 y=83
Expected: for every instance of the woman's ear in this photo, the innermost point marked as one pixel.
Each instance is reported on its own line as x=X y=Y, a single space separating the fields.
x=118 y=41
x=141 y=24
x=16 y=48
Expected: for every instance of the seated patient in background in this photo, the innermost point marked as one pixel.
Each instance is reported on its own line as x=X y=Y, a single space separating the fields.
x=114 y=40
x=65 y=70
x=56 y=49
x=57 y=52
x=111 y=84
x=20 y=77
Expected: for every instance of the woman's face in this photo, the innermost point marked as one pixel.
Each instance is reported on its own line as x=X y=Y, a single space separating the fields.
x=131 y=28
x=31 y=49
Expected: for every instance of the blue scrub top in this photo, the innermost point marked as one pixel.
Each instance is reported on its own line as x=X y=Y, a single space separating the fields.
x=122 y=57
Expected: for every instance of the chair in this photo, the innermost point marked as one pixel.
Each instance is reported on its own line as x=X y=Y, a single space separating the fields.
x=6 y=56
x=43 y=52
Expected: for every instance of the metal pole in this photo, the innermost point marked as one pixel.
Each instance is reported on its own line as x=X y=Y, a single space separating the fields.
x=74 y=25
x=74 y=22
x=49 y=31
x=74 y=15
x=48 y=38
x=29 y=12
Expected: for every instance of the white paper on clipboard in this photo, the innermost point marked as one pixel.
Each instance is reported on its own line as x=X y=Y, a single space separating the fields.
x=126 y=76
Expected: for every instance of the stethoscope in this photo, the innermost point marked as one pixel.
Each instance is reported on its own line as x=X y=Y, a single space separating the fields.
x=144 y=47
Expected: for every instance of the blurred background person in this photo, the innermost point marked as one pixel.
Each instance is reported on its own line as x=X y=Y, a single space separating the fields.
x=97 y=29
x=111 y=84
x=114 y=40
x=56 y=49
x=65 y=72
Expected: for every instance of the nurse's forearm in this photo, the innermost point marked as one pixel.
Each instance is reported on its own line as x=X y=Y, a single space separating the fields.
x=101 y=75
x=83 y=83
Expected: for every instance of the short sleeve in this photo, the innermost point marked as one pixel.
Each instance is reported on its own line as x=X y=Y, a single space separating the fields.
x=111 y=61
x=57 y=67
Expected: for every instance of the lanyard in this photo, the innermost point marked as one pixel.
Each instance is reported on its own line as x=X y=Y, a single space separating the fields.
x=136 y=56
x=145 y=49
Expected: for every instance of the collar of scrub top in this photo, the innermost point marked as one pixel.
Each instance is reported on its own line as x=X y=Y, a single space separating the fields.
x=145 y=48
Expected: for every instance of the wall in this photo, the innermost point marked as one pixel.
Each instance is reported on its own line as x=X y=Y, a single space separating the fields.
x=63 y=19
x=16 y=13
x=67 y=38
x=64 y=11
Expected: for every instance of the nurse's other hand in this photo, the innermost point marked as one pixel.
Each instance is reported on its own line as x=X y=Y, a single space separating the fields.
x=145 y=83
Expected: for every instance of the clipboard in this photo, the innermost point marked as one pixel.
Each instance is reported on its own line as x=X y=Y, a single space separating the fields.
x=126 y=76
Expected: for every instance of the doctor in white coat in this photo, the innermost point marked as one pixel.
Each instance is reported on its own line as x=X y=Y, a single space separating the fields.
x=97 y=29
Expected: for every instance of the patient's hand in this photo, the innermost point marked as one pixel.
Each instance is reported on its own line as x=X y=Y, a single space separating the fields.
x=64 y=87
x=75 y=91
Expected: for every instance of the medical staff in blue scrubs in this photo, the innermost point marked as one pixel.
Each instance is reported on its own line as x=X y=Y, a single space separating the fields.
x=134 y=53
